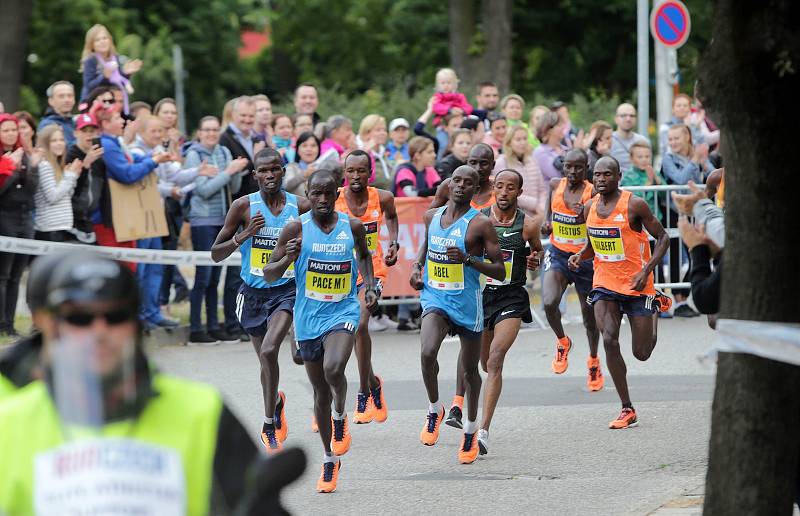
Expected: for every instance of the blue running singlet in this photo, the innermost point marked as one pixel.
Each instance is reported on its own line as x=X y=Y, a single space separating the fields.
x=257 y=250
x=451 y=286
x=326 y=273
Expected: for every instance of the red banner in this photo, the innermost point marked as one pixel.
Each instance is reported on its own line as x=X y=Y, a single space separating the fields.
x=410 y=235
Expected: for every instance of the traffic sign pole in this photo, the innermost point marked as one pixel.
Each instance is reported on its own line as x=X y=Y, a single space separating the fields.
x=643 y=66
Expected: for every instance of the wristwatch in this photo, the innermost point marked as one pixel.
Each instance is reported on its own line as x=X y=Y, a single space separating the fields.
x=468 y=260
x=394 y=243
x=417 y=266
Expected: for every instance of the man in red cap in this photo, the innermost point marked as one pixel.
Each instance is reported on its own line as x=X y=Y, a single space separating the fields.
x=87 y=149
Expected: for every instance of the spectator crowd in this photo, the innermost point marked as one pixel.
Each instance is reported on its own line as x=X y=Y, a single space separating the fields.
x=56 y=175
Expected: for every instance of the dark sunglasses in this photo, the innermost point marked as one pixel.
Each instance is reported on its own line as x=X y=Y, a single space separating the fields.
x=108 y=101
x=112 y=318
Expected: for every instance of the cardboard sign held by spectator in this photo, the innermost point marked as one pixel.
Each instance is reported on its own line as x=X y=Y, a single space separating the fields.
x=137 y=209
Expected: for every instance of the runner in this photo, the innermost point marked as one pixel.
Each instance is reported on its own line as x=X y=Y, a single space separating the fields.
x=567 y=229
x=373 y=205
x=264 y=308
x=481 y=158
x=321 y=246
x=506 y=303
x=623 y=274
x=457 y=239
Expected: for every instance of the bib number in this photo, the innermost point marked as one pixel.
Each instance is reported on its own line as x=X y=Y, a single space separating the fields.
x=260 y=251
x=329 y=282
x=508 y=261
x=567 y=229
x=372 y=236
x=109 y=476
x=444 y=274
x=607 y=244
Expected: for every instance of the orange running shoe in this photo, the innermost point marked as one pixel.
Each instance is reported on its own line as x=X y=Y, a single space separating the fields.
x=269 y=439
x=595 y=380
x=664 y=302
x=365 y=411
x=380 y=410
x=340 y=438
x=626 y=419
x=468 y=451
x=330 y=474
x=559 y=364
x=281 y=428
x=314 y=425
x=430 y=432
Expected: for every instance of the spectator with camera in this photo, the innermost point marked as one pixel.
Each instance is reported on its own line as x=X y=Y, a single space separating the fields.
x=89 y=187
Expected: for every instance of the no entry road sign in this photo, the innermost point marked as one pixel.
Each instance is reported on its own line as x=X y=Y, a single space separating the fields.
x=670 y=23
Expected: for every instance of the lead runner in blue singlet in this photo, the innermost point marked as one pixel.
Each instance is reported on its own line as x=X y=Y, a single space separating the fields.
x=457 y=238
x=264 y=308
x=323 y=246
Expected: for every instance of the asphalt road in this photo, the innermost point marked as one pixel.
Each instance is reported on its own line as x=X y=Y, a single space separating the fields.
x=550 y=450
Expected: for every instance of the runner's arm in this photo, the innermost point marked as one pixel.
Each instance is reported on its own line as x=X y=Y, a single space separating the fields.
x=641 y=213
x=280 y=260
x=487 y=236
x=587 y=251
x=442 y=195
x=390 y=216
x=530 y=232
x=364 y=261
x=418 y=264
x=547 y=226
x=237 y=216
x=303 y=205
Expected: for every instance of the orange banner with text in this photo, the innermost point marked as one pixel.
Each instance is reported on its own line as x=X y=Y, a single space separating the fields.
x=410 y=235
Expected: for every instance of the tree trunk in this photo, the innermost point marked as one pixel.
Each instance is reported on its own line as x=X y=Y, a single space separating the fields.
x=750 y=83
x=481 y=51
x=13 y=42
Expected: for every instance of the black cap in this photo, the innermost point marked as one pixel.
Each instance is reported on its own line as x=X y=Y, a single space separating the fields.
x=88 y=278
x=39 y=276
x=471 y=122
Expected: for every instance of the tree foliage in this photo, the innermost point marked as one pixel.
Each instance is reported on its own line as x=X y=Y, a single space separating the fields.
x=361 y=50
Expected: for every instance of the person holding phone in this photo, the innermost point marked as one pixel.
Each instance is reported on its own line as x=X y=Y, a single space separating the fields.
x=90 y=183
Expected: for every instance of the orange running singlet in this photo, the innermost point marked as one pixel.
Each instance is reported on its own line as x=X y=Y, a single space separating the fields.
x=619 y=252
x=484 y=205
x=569 y=235
x=372 y=219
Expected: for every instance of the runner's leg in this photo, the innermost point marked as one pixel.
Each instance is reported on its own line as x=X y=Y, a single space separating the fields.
x=553 y=290
x=322 y=401
x=486 y=345
x=277 y=328
x=434 y=328
x=592 y=334
x=469 y=357
x=256 y=340
x=366 y=376
x=644 y=333
x=608 y=317
x=338 y=348
x=505 y=333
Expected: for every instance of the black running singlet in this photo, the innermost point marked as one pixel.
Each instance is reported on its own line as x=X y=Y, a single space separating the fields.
x=514 y=250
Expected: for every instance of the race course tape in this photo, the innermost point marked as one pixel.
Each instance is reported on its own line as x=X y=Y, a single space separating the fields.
x=772 y=340
x=158 y=256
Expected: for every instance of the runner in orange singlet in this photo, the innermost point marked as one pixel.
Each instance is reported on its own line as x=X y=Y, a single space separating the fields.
x=623 y=274
x=567 y=229
x=372 y=206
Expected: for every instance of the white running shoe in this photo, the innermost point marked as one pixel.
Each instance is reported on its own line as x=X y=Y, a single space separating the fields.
x=388 y=322
x=483 y=441
x=375 y=325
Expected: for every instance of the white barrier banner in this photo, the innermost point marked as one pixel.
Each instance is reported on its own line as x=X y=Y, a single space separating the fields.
x=772 y=340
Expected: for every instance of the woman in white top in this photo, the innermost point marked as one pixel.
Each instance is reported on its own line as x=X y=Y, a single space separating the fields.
x=518 y=155
x=53 y=199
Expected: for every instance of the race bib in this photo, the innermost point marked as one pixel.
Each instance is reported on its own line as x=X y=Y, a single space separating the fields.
x=328 y=281
x=260 y=250
x=372 y=235
x=444 y=274
x=567 y=229
x=607 y=244
x=508 y=261
x=109 y=477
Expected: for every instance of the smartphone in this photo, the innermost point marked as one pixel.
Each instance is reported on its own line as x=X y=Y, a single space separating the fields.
x=165 y=144
x=96 y=141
